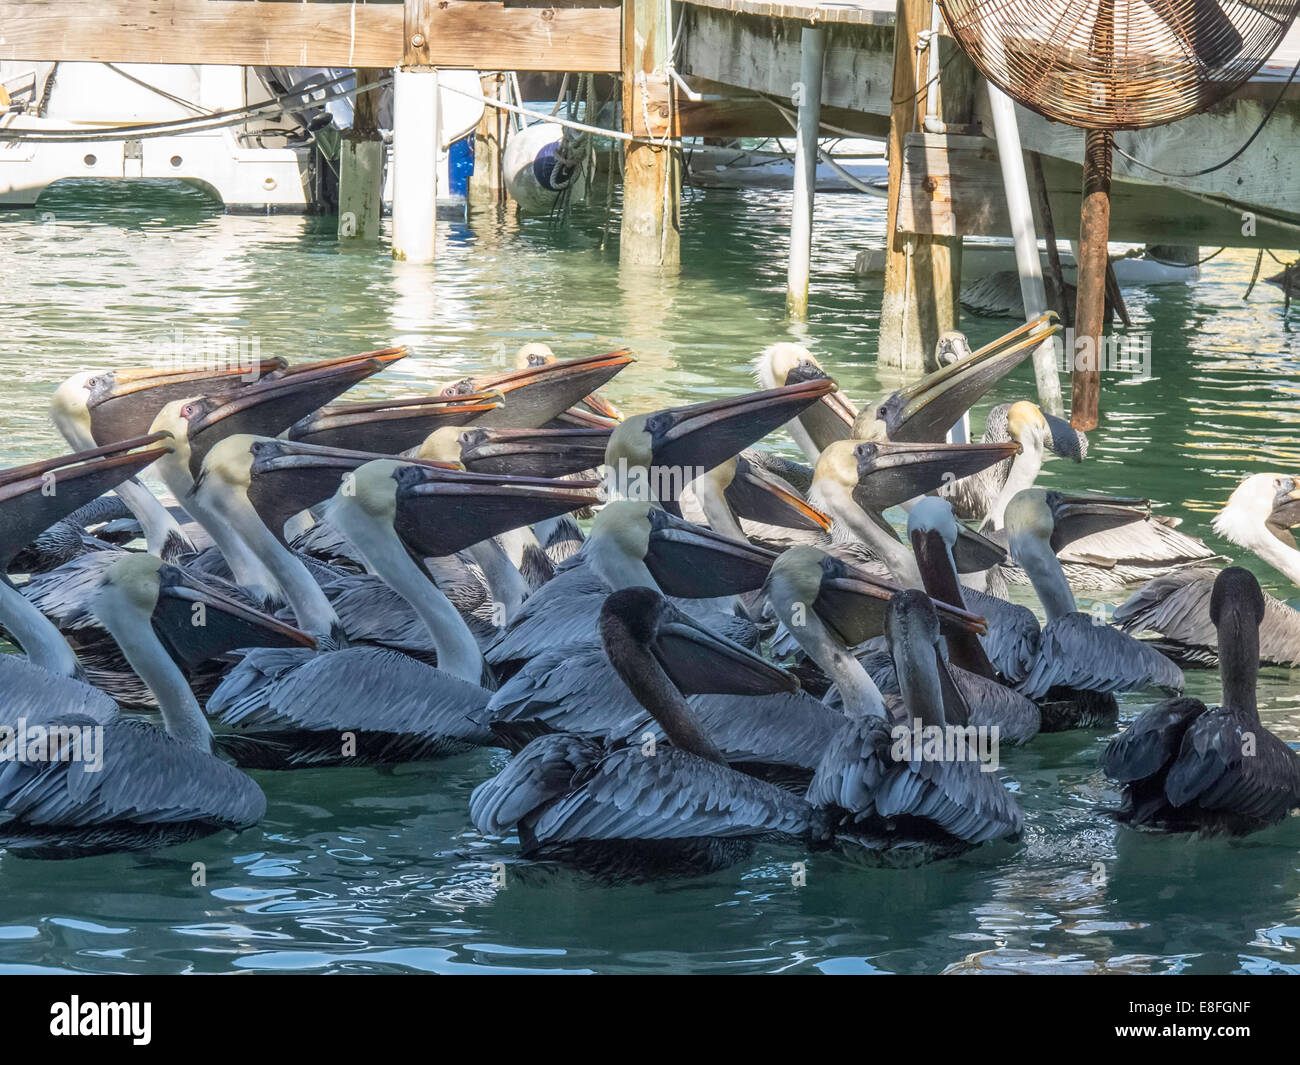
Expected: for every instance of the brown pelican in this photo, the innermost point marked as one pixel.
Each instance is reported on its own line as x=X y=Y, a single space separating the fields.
x=32 y=497
x=1258 y=517
x=984 y=496
x=923 y=411
x=904 y=810
x=592 y=407
x=828 y=607
x=537 y=394
x=829 y=419
x=631 y=545
x=292 y=708
x=633 y=811
x=1078 y=664
x=654 y=456
x=1188 y=768
x=153 y=787
x=856 y=481
x=101 y=407
x=1104 y=559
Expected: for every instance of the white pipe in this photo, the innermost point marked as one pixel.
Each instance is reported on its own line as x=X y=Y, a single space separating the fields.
x=811 y=64
x=1032 y=293
x=417 y=138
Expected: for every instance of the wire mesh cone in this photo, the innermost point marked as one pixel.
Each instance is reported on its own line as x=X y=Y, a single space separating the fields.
x=1118 y=64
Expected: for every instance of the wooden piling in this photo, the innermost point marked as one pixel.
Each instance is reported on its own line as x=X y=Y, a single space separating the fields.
x=487 y=187
x=361 y=165
x=922 y=272
x=651 y=227
x=1090 y=309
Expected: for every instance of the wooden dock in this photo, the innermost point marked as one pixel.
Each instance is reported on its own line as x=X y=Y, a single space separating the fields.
x=728 y=68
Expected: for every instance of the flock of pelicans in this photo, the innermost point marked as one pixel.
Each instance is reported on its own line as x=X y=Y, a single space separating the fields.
x=733 y=651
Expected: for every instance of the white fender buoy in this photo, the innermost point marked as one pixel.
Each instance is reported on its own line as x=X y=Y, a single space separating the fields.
x=537 y=170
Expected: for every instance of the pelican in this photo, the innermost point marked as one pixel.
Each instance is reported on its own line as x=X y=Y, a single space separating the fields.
x=268 y=405
x=974 y=661
x=50 y=675
x=100 y=407
x=30 y=497
x=1258 y=517
x=538 y=393
x=921 y=412
x=654 y=456
x=592 y=407
x=1186 y=767
x=1104 y=559
x=902 y=811
x=855 y=481
x=828 y=607
x=294 y=709
x=155 y=787
x=631 y=545
x=635 y=812
x=984 y=496
x=1077 y=664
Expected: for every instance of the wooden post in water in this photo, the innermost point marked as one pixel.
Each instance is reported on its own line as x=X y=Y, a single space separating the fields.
x=1090 y=306
x=416 y=140
x=652 y=176
x=361 y=165
x=486 y=184
x=922 y=272
x=809 y=102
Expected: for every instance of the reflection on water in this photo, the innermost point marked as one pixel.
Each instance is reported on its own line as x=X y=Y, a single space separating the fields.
x=367 y=871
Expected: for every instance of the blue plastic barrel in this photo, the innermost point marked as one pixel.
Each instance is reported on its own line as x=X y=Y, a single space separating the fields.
x=460 y=164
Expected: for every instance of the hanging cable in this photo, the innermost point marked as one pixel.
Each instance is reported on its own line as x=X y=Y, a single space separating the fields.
x=217 y=120
x=1234 y=156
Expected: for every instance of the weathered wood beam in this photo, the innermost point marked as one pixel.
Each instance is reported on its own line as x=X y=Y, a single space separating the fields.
x=470 y=34
x=920 y=300
x=650 y=232
x=953 y=184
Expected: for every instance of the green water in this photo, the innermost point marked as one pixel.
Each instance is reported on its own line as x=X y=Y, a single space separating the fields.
x=362 y=870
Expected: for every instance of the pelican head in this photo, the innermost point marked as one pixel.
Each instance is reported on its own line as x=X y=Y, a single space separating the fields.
x=831 y=419
x=1262 y=503
x=642 y=544
x=108 y=405
x=534 y=354
x=953 y=347
x=912 y=627
x=686 y=441
x=441 y=445
x=926 y=409
x=1044 y=434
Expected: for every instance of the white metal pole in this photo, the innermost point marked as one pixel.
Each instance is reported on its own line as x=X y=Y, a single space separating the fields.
x=811 y=64
x=416 y=138
x=1019 y=206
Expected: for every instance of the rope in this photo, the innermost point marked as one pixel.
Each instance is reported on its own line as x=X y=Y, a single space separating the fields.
x=1235 y=155
x=1167 y=262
